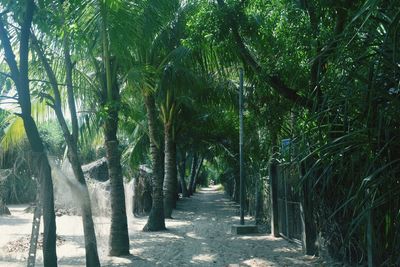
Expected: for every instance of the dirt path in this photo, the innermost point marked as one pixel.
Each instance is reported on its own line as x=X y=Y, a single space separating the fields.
x=199 y=235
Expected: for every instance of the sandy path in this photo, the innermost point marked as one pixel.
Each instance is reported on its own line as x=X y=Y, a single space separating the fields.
x=199 y=235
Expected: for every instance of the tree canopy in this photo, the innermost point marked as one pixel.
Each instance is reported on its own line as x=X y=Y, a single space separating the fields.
x=155 y=83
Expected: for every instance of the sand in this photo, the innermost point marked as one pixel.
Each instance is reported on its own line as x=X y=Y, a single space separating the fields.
x=199 y=235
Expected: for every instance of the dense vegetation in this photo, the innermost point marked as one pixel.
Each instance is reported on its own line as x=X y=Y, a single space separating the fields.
x=160 y=78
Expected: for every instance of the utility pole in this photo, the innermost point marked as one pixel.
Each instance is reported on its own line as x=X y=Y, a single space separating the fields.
x=241 y=228
x=241 y=159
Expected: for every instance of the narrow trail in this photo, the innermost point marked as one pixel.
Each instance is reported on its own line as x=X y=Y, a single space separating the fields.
x=199 y=235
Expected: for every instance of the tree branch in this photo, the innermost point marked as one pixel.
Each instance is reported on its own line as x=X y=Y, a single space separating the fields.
x=49 y=71
x=44 y=81
x=9 y=97
x=6 y=74
x=20 y=75
x=70 y=88
x=274 y=81
x=57 y=97
x=8 y=52
x=318 y=67
x=48 y=98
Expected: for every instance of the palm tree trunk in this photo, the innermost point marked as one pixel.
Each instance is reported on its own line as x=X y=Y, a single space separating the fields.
x=3 y=208
x=92 y=257
x=192 y=173
x=170 y=175
x=43 y=171
x=119 y=238
x=194 y=184
x=182 y=170
x=156 y=220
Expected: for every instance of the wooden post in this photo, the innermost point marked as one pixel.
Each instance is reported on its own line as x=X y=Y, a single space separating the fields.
x=273 y=180
x=309 y=231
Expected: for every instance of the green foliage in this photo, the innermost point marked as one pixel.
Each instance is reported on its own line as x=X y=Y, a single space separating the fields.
x=341 y=56
x=53 y=138
x=3 y=116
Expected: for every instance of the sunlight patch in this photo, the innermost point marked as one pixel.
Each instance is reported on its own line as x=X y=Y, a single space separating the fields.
x=258 y=262
x=203 y=258
x=283 y=249
x=194 y=236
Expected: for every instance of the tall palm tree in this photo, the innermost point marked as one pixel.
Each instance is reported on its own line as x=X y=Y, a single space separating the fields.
x=176 y=78
x=175 y=82
x=147 y=56
x=156 y=220
x=19 y=75
x=119 y=238
x=107 y=23
x=71 y=138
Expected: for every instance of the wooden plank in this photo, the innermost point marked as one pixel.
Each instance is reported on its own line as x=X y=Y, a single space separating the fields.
x=34 y=235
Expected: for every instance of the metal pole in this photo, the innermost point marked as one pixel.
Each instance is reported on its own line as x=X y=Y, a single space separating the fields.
x=241 y=160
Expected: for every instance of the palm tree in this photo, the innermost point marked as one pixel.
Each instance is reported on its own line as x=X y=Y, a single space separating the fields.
x=19 y=74
x=182 y=158
x=146 y=64
x=156 y=220
x=71 y=138
x=92 y=258
x=175 y=79
x=170 y=175
x=107 y=21
x=119 y=238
